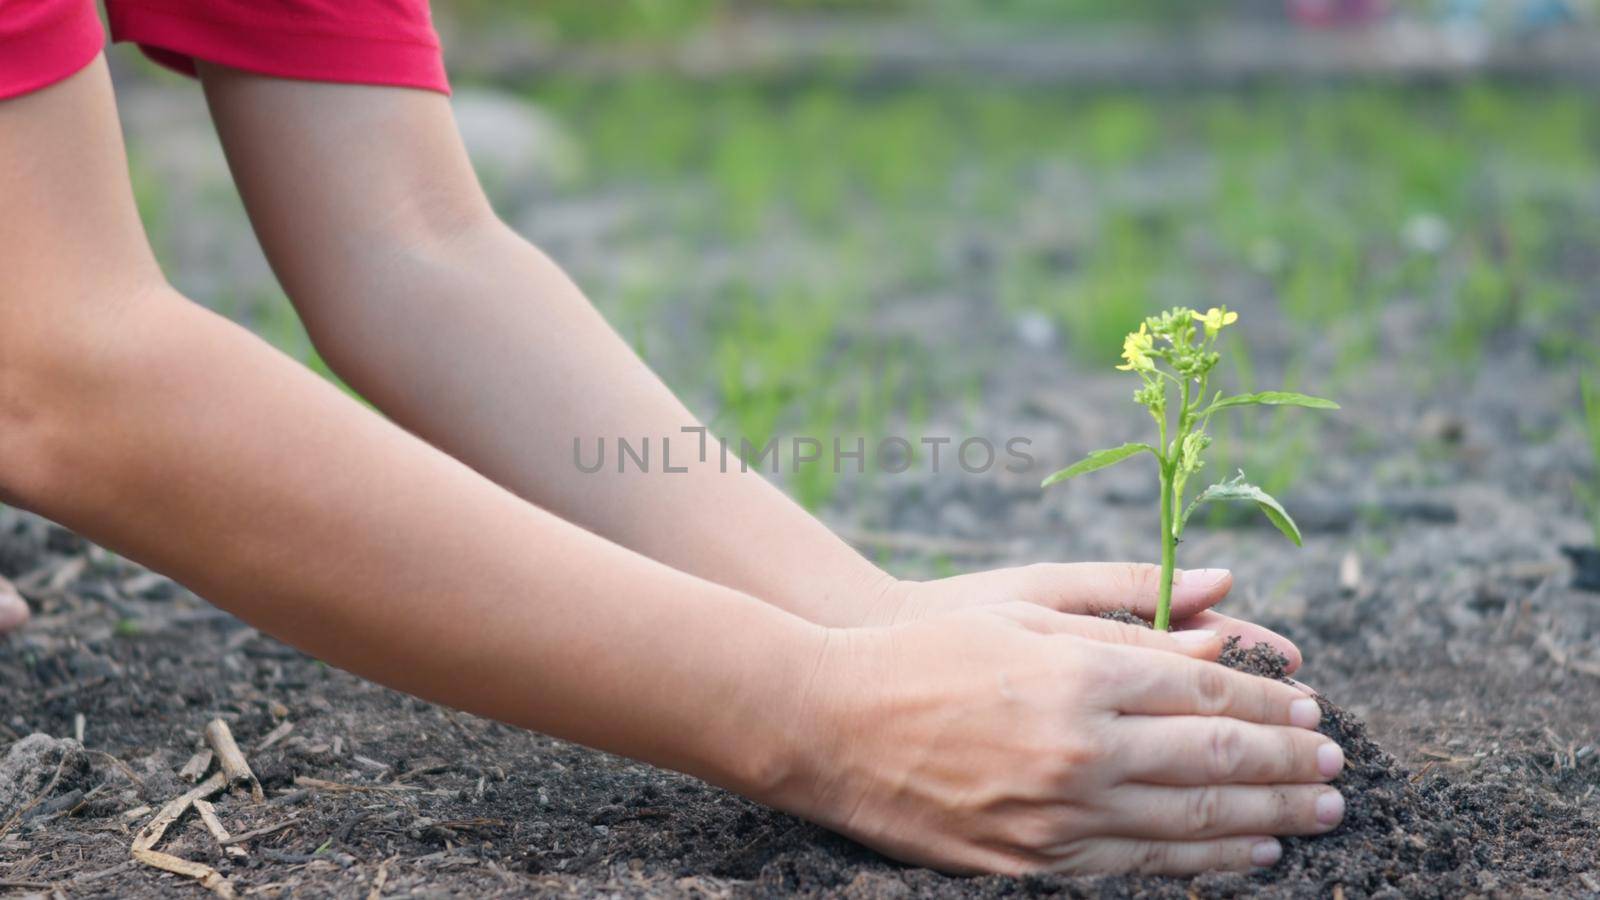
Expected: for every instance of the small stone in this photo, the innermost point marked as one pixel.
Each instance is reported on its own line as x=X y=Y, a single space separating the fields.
x=1035 y=330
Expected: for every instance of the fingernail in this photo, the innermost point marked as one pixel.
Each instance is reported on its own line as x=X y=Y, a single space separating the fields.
x=1266 y=853
x=1202 y=578
x=1305 y=713
x=1330 y=759
x=1330 y=808
x=1303 y=688
x=1194 y=637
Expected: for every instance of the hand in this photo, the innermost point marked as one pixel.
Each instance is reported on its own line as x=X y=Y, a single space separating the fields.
x=1015 y=739
x=1081 y=588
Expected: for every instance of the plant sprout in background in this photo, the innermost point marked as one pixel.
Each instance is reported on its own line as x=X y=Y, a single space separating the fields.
x=1173 y=354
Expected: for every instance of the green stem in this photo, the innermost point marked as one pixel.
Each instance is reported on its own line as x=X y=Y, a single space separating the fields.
x=1169 y=545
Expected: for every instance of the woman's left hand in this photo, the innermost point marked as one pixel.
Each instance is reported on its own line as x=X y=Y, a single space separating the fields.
x=1080 y=588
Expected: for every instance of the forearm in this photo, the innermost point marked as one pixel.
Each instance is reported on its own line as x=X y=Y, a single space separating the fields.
x=178 y=439
x=491 y=353
x=462 y=332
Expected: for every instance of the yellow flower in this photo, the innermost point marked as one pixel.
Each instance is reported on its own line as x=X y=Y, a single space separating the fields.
x=1136 y=348
x=1215 y=318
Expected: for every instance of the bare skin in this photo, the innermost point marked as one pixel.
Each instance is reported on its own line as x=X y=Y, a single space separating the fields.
x=951 y=726
x=457 y=328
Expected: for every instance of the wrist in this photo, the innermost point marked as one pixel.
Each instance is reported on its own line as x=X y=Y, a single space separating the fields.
x=860 y=597
x=800 y=755
x=886 y=601
x=768 y=757
x=870 y=598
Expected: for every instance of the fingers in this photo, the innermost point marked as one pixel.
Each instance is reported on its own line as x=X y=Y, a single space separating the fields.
x=1199 y=750
x=13 y=610
x=1093 y=588
x=1153 y=812
x=1248 y=633
x=1196 y=643
x=1170 y=685
x=1238 y=854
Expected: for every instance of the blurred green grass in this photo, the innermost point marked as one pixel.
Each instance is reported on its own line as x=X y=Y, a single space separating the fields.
x=1428 y=225
x=1331 y=207
x=1333 y=201
x=588 y=20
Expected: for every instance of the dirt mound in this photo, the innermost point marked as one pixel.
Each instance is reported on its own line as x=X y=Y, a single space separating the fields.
x=38 y=775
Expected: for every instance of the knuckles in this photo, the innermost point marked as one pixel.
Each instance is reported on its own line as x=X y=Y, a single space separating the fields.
x=1036 y=831
x=1090 y=673
x=1225 y=753
x=1152 y=857
x=1079 y=753
x=1140 y=579
x=1212 y=690
x=1203 y=809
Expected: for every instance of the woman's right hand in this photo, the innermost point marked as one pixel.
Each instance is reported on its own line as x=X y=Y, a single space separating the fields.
x=1017 y=739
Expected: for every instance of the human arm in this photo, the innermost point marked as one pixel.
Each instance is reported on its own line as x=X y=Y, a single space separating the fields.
x=175 y=437
x=460 y=330
x=182 y=441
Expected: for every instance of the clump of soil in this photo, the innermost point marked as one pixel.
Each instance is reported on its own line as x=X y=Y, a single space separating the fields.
x=1397 y=834
x=1123 y=616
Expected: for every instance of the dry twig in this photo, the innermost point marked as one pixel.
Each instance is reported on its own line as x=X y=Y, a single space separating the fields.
x=259 y=832
x=231 y=759
x=1561 y=659
x=152 y=831
x=196 y=767
x=208 y=815
x=144 y=842
x=208 y=877
x=379 y=880
x=322 y=785
x=274 y=736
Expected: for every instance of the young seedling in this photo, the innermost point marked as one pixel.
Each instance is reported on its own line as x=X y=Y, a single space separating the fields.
x=1173 y=355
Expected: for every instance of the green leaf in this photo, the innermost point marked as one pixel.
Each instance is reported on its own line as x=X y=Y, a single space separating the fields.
x=1273 y=398
x=1099 y=459
x=1238 y=489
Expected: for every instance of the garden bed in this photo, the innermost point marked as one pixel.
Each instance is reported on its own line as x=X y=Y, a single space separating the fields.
x=1459 y=642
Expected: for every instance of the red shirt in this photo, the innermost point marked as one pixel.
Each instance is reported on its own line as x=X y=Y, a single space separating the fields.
x=389 y=42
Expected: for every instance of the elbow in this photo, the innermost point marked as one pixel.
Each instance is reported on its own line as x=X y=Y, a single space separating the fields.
x=393 y=282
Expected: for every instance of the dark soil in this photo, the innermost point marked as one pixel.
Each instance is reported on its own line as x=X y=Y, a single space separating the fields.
x=1403 y=835
x=1407 y=835
x=431 y=800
